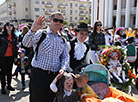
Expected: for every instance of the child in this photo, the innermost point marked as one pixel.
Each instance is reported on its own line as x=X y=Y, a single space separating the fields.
x=65 y=91
x=22 y=65
x=85 y=89
x=115 y=67
x=131 y=51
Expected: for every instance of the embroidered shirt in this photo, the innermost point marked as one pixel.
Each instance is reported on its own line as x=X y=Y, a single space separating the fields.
x=52 y=53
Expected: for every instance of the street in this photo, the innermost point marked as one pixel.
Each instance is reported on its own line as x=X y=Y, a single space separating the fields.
x=20 y=95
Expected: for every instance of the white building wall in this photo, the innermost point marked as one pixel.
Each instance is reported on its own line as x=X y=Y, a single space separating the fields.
x=124 y=13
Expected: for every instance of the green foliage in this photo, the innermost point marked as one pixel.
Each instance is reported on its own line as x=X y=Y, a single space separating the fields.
x=65 y=22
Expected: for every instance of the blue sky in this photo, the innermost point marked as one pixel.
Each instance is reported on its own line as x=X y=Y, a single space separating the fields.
x=1 y=1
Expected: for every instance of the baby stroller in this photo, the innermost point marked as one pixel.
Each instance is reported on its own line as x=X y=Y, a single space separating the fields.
x=99 y=82
x=105 y=56
x=98 y=79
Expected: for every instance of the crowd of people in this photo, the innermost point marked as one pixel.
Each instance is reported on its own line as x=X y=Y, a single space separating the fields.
x=46 y=54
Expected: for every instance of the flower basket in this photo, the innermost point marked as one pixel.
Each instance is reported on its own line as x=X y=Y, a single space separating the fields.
x=105 y=56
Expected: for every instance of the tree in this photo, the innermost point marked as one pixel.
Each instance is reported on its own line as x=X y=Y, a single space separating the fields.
x=89 y=20
x=65 y=22
x=72 y=24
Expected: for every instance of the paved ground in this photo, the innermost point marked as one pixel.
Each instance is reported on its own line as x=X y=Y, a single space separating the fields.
x=20 y=95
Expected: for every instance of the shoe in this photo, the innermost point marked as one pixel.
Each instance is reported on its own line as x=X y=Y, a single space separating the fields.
x=3 y=91
x=10 y=88
x=15 y=74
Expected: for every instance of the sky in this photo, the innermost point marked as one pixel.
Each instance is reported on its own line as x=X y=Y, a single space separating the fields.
x=1 y=1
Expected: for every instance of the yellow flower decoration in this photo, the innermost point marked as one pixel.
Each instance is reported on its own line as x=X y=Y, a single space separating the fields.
x=130 y=33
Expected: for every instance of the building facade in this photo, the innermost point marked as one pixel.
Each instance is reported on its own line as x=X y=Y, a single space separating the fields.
x=27 y=10
x=115 y=13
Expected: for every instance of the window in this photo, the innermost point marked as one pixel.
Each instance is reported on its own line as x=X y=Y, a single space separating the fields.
x=49 y=3
x=62 y=11
x=37 y=16
x=60 y=4
x=134 y=20
x=43 y=9
x=76 y=5
x=26 y=16
x=70 y=19
x=81 y=18
x=70 y=5
x=81 y=5
x=36 y=1
x=135 y=3
x=26 y=2
x=81 y=12
x=70 y=12
x=36 y=9
x=26 y=9
x=43 y=2
x=76 y=18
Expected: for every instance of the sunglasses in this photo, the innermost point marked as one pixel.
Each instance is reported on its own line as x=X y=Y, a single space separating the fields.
x=99 y=24
x=57 y=20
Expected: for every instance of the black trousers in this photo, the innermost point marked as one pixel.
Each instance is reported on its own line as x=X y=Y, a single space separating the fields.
x=6 y=70
x=40 y=85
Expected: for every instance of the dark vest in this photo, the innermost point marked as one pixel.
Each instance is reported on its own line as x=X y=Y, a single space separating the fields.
x=73 y=61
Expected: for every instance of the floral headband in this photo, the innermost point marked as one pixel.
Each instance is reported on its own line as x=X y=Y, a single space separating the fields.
x=120 y=28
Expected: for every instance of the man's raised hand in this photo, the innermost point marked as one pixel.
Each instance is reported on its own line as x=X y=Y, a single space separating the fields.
x=38 y=24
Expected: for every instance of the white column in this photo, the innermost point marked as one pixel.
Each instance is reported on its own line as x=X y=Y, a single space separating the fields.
x=92 y=13
x=106 y=13
x=110 y=14
x=136 y=26
x=95 y=10
x=101 y=10
x=127 y=15
x=118 y=14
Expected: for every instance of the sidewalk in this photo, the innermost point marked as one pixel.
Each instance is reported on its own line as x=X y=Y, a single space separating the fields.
x=18 y=95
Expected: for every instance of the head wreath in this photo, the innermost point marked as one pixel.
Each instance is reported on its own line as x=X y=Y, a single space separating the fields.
x=129 y=33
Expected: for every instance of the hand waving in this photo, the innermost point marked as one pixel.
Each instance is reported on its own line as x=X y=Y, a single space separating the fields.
x=38 y=24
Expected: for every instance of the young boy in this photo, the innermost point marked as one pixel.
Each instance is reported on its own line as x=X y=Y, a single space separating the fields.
x=84 y=89
x=22 y=65
x=131 y=51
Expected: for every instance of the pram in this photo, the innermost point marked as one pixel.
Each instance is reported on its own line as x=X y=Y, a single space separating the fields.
x=99 y=81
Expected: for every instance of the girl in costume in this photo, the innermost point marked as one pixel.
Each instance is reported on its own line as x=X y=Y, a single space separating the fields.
x=115 y=67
